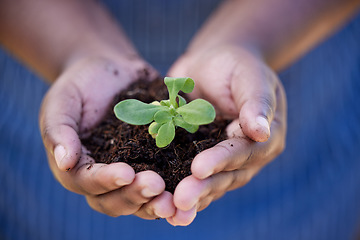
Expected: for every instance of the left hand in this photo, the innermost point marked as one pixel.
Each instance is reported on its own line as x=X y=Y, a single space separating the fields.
x=241 y=87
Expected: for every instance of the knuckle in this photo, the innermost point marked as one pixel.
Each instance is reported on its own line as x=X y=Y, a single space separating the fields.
x=149 y=212
x=241 y=178
x=98 y=181
x=206 y=202
x=132 y=204
x=249 y=158
x=225 y=147
x=95 y=204
x=103 y=205
x=239 y=153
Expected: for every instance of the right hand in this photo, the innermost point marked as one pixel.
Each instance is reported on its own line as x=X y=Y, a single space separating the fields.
x=75 y=103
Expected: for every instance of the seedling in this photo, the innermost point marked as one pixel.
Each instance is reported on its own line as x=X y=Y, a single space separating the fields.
x=166 y=115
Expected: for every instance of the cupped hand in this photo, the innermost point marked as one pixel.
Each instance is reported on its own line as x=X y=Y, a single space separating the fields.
x=243 y=88
x=74 y=104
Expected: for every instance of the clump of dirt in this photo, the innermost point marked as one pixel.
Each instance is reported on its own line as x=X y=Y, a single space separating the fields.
x=116 y=141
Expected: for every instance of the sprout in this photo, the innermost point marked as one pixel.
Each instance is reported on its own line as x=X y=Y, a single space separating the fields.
x=166 y=115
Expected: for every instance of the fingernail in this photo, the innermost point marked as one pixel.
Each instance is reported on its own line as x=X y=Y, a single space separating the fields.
x=171 y=221
x=264 y=124
x=146 y=192
x=59 y=154
x=184 y=218
x=121 y=182
x=159 y=215
x=194 y=212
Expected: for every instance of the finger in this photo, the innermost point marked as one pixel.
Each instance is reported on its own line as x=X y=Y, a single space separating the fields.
x=99 y=178
x=240 y=152
x=183 y=218
x=90 y=178
x=161 y=206
x=129 y=199
x=253 y=89
x=194 y=195
x=227 y=155
x=59 y=119
x=195 y=192
x=254 y=119
x=189 y=191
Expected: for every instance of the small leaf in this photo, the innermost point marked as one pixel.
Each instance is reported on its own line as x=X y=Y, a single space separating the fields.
x=165 y=103
x=162 y=116
x=179 y=121
x=135 y=112
x=174 y=85
x=182 y=101
x=188 y=85
x=165 y=135
x=154 y=129
x=197 y=112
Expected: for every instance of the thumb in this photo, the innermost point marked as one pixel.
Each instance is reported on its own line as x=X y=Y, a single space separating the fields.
x=59 y=119
x=257 y=103
x=255 y=116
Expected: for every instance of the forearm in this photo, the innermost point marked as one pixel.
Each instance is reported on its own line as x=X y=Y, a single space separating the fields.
x=280 y=30
x=49 y=34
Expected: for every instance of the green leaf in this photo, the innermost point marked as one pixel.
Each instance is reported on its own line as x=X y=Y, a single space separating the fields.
x=188 y=86
x=165 y=134
x=179 y=121
x=182 y=101
x=167 y=114
x=154 y=129
x=197 y=112
x=165 y=103
x=174 y=85
x=135 y=112
x=162 y=116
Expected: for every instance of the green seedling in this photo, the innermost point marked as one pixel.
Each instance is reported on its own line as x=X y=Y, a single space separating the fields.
x=166 y=115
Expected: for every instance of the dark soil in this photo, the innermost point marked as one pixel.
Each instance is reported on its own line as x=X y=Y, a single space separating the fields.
x=116 y=141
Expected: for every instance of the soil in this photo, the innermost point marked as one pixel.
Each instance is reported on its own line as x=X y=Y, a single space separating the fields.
x=116 y=141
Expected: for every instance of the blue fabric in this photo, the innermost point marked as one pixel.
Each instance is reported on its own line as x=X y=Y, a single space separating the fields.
x=311 y=191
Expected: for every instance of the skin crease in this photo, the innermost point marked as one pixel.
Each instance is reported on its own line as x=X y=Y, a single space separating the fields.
x=233 y=69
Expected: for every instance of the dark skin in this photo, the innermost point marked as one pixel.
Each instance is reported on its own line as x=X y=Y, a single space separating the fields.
x=235 y=69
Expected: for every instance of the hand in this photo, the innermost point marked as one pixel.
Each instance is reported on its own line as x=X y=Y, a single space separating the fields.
x=74 y=104
x=241 y=87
